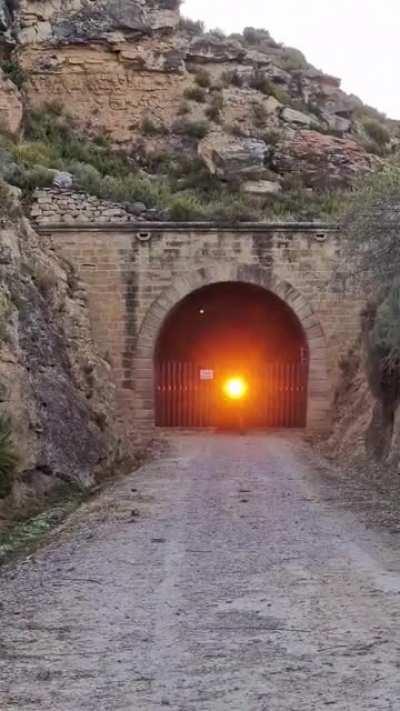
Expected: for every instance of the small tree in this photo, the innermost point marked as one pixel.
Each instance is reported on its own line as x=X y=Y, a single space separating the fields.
x=372 y=258
x=371 y=225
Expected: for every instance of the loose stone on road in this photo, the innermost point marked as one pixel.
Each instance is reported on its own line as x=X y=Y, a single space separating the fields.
x=218 y=577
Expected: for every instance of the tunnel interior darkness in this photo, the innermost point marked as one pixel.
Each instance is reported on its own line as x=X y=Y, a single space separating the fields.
x=231 y=328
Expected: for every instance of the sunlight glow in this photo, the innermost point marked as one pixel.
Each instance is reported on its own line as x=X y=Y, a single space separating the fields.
x=235 y=388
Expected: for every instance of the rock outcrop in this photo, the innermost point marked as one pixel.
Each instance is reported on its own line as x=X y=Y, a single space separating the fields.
x=11 y=109
x=53 y=383
x=116 y=64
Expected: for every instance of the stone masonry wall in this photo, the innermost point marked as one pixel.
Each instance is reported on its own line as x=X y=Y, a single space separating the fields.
x=127 y=270
x=62 y=207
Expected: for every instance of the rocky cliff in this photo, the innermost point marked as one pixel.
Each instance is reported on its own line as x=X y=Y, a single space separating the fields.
x=255 y=114
x=54 y=385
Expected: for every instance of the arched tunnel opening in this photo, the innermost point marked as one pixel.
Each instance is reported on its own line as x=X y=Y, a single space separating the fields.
x=231 y=354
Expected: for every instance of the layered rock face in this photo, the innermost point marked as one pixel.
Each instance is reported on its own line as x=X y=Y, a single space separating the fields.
x=53 y=383
x=116 y=64
x=11 y=109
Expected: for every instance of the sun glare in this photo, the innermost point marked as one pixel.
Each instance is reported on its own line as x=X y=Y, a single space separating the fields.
x=235 y=388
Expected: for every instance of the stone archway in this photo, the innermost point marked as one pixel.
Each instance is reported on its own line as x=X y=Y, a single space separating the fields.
x=319 y=397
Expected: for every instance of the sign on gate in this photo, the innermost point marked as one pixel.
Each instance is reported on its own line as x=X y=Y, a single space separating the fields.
x=206 y=374
x=188 y=396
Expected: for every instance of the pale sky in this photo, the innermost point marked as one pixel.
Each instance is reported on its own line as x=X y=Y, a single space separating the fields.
x=357 y=40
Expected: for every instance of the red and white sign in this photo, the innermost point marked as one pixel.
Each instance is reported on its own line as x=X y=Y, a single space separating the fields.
x=206 y=374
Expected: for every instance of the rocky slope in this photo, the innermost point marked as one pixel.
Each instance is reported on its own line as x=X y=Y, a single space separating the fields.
x=54 y=385
x=253 y=113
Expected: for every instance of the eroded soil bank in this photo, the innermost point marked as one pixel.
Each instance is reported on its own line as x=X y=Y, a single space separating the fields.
x=229 y=574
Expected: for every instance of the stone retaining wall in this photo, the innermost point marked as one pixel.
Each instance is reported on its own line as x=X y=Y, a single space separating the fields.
x=61 y=207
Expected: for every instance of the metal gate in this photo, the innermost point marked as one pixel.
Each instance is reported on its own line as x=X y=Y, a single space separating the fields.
x=277 y=396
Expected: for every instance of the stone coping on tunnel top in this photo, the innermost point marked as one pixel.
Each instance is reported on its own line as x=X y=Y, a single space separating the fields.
x=143 y=227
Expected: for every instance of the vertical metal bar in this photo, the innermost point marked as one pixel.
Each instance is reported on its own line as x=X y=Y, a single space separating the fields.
x=172 y=391
x=162 y=385
x=178 y=395
x=285 y=394
x=194 y=374
x=189 y=394
x=299 y=395
x=170 y=394
x=292 y=419
x=288 y=393
x=185 y=395
x=157 y=393
x=305 y=393
x=175 y=393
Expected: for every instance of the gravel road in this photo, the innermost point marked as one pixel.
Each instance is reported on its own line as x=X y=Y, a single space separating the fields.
x=222 y=577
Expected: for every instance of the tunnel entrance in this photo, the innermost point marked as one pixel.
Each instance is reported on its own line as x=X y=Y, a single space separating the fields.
x=231 y=354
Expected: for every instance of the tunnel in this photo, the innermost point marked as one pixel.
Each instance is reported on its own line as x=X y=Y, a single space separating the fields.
x=231 y=355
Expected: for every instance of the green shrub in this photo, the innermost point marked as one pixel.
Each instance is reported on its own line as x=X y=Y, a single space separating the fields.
x=34 y=153
x=260 y=115
x=272 y=136
x=8 y=457
x=49 y=128
x=87 y=177
x=192 y=129
x=7 y=206
x=297 y=203
x=192 y=27
x=254 y=36
x=203 y=78
x=376 y=132
x=232 y=78
x=218 y=33
x=191 y=173
x=267 y=87
x=152 y=128
x=293 y=59
x=186 y=208
x=36 y=177
x=213 y=111
x=184 y=109
x=232 y=208
x=195 y=93
x=385 y=335
x=261 y=83
x=14 y=72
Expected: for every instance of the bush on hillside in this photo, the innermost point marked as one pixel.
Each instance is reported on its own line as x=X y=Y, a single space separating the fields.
x=8 y=457
x=14 y=72
x=203 y=78
x=192 y=27
x=195 y=93
x=376 y=132
x=192 y=129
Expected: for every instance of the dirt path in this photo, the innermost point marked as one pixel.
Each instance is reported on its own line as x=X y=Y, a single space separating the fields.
x=238 y=587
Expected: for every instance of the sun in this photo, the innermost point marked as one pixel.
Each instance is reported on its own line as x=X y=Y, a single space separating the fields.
x=235 y=388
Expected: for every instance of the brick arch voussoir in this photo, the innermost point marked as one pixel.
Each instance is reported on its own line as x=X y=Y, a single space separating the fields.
x=185 y=285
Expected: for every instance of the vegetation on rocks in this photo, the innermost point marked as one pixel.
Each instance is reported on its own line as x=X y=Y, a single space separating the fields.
x=8 y=457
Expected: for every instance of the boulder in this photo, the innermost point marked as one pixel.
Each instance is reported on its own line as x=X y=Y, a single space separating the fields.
x=323 y=161
x=298 y=117
x=209 y=48
x=231 y=158
x=84 y=21
x=337 y=123
x=63 y=180
x=11 y=110
x=5 y=18
x=261 y=187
